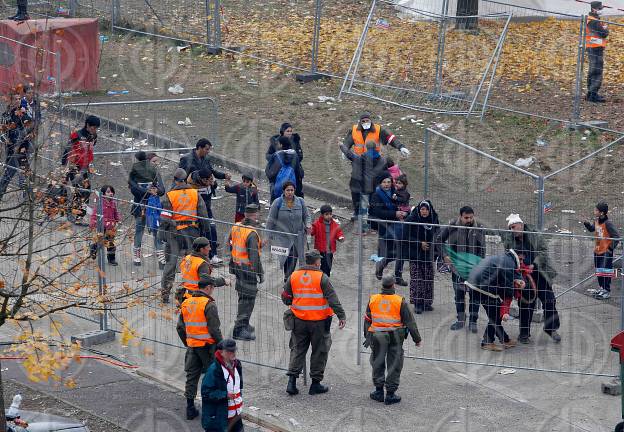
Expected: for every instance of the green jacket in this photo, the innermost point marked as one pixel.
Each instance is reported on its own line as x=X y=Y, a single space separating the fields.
x=538 y=247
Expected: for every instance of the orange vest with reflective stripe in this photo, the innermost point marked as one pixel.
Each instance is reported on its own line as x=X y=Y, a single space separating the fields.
x=308 y=303
x=592 y=40
x=359 y=146
x=183 y=201
x=189 y=268
x=602 y=238
x=385 y=312
x=197 y=334
x=238 y=239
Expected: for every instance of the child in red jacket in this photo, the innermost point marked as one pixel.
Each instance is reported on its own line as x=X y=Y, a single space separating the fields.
x=326 y=232
x=110 y=219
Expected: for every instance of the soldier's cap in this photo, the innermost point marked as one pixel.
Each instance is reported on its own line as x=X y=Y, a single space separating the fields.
x=209 y=281
x=179 y=174
x=200 y=242
x=312 y=255
x=387 y=281
x=227 y=345
x=597 y=5
x=252 y=208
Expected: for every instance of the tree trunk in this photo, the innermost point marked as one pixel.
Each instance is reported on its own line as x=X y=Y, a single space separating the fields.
x=3 y=424
x=467 y=8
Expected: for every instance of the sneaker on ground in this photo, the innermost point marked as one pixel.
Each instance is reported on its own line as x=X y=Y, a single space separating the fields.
x=603 y=295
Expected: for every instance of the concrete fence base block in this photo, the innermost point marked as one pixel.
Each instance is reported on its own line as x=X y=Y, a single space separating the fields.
x=613 y=388
x=591 y=125
x=308 y=77
x=95 y=337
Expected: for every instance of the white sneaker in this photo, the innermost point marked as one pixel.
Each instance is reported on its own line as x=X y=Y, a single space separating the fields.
x=603 y=295
x=215 y=260
x=593 y=291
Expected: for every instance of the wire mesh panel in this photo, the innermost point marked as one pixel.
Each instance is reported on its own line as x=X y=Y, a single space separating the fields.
x=457 y=175
x=423 y=61
x=562 y=278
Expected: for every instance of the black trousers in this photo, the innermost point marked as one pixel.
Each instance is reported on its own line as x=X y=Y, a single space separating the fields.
x=494 y=327
x=596 y=66
x=527 y=306
x=327 y=259
x=606 y=262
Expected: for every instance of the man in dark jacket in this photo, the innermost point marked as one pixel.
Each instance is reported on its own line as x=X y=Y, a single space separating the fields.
x=198 y=159
x=386 y=339
x=596 y=42
x=203 y=180
x=367 y=171
x=286 y=130
x=144 y=182
x=492 y=280
x=246 y=265
x=199 y=348
x=533 y=251
x=286 y=155
x=463 y=239
x=222 y=407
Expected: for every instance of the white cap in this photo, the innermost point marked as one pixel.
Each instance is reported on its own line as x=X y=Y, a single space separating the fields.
x=512 y=219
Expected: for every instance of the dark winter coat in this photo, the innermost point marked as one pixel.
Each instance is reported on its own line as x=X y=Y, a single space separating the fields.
x=274 y=146
x=367 y=171
x=244 y=196
x=415 y=235
x=535 y=249
x=143 y=174
x=214 y=397
x=190 y=163
x=274 y=166
x=461 y=239
x=206 y=192
x=495 y=274
x=379 y=209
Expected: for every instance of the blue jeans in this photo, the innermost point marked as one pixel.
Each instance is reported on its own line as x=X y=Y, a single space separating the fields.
x=139 y=228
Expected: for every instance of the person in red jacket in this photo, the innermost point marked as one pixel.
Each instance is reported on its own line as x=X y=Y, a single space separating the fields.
x=326 y=232
x=79 y=152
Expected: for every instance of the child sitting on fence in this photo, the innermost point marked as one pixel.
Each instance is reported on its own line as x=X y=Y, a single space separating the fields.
x=110 y=219
x=246 y=193
x=401 y=196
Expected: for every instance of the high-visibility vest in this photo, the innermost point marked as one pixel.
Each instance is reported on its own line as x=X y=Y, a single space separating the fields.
x=238 y=240
x=359 y=145
x=184 y=204
x=385 y=312
x=197 y=334
x=309 y=303
x=592 y=40
x=189 y=268
x=602 y=238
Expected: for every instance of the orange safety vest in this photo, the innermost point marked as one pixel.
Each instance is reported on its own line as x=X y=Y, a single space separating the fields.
x=592 y=40
x=197 y=334
x=602 y=239
x=184 y=203
x=309 y=303
x=359 y=146
x=238 y=240
x=189 y=268
x=385 y=312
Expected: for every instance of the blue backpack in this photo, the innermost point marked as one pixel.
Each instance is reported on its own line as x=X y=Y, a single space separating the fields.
x=285 y=174
x=152 y=214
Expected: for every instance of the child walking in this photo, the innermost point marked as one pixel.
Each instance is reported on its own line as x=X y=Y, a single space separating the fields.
x=110 y=219
x=605 y=233
x=326 y=232
x=246 y=193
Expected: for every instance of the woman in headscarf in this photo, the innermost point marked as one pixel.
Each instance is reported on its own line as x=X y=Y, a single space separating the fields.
x=418 y=249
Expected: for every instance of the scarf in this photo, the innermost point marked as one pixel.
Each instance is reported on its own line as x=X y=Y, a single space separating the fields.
x=373 y=154
x=385 y=197
x=222 y=362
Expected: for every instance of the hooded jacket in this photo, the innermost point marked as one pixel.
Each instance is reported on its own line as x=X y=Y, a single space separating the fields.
x=367 y=171
x=495 y=274
x=415 y=235
x=142 y=175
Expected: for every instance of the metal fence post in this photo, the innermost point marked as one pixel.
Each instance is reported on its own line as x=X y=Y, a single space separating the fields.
x=316 y=36
x=58 y=76
x=360 y=312
x=440 y=55
x=426 y=170
x=101 y=260
x=580 y=60
x=73 y=8
x=213 y=26
x=540 y=203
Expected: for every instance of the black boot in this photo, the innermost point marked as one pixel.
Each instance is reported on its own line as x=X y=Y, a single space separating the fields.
x=292 y=389
x=392 y=398
x=243 y=334
x=111 y=259
x=317 y=388
x=378 y=394
x=93 y=251
x=22 y=14
x=191 y=411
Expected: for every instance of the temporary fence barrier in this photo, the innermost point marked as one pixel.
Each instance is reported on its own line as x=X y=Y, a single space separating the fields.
x=584 y=323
